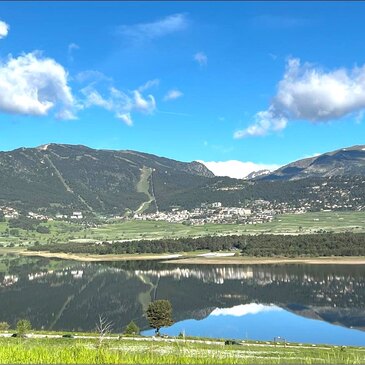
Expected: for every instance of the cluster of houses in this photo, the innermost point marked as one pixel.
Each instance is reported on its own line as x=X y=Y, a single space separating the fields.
x=40 y=217
x=9 y=212
x=211 y=213
x=12 y=213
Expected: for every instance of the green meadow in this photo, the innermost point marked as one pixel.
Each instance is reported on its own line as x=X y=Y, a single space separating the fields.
x=143 y=351
x=134 y=230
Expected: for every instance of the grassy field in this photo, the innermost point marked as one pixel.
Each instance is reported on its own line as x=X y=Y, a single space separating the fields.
x=143 y=351
x=129 y=230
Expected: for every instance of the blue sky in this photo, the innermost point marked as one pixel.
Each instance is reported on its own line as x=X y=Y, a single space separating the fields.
x=265 y=83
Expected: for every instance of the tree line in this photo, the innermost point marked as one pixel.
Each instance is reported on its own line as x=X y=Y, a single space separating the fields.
x=264 y=245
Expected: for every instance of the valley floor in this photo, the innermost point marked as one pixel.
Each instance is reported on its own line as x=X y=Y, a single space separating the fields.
x=288 y=224
x=40 y=349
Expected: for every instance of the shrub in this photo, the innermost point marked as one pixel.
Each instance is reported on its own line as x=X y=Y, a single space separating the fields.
x=23 y=326
x=132 y=329
x=4 y=326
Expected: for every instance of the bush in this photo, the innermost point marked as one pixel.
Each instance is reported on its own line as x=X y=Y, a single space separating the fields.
x=4 y=326
x=42 y=229
x=132 y=329
x=23 y=326
x=67 y=335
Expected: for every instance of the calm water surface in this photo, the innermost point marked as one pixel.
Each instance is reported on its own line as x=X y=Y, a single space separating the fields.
x=301 y=303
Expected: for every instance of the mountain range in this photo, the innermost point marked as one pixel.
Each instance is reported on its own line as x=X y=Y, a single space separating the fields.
x=60 y=177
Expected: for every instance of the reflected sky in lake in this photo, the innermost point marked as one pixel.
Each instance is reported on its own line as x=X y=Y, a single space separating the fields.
x=265 y=322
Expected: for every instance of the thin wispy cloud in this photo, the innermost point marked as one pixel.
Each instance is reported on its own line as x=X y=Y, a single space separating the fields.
x=70 y=49
x=120 y=103
x=4 y=29
x=279 y=21
x=173 y=95
x=201 y=58
x=174 y=113
x=309 y=93
x=157 y=29
x=149 y=84
x=91 y=76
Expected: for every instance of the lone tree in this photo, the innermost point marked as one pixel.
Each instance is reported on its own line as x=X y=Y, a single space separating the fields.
x=132 y=329
x=159 y=314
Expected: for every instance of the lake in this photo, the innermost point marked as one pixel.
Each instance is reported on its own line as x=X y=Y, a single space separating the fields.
x=296 y=302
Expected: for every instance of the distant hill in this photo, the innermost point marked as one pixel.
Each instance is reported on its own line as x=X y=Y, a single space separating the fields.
x=344 y=162
x=59 y=176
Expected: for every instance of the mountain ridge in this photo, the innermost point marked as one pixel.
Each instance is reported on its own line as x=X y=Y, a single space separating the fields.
x=62 y=178
x=77 y=176
x=347 y=161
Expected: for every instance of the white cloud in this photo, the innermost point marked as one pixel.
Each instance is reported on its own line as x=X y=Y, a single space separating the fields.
x=160 y=28
x=72 y=47
x=119 y=102
x=149 y=84
x=236 y=169
x=173 y=94
x=92 y=76
x=201 y=58
x=126 y=118
x=145 y=105
x=279 y=21
x=4 y=29
x=265 y=121
x=309 y=93
x=33 y=85
x=244 y=309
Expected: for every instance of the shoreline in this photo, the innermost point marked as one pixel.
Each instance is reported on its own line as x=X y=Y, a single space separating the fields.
x=194 y=260
x=91 y=258
x=325 y=260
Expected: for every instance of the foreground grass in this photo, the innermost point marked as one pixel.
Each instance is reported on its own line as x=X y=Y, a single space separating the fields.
x=86 y=351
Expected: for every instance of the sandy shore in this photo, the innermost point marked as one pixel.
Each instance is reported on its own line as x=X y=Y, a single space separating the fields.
x=89 y=258
x=194 y=260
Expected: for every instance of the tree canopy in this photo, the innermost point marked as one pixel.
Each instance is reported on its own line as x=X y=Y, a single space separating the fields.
x=159 y=314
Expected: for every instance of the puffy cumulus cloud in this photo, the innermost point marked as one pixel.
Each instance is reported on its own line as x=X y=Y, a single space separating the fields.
x=245 y=309
x=157 y=29
x=119 y=102
x=172 y=95
x=265 y=121
x=236 y=169
x=33 y=85
x=4 y=29
x=310 y=93
x=201 y=58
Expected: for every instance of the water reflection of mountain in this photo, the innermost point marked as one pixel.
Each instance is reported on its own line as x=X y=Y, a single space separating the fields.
x=63 y=295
